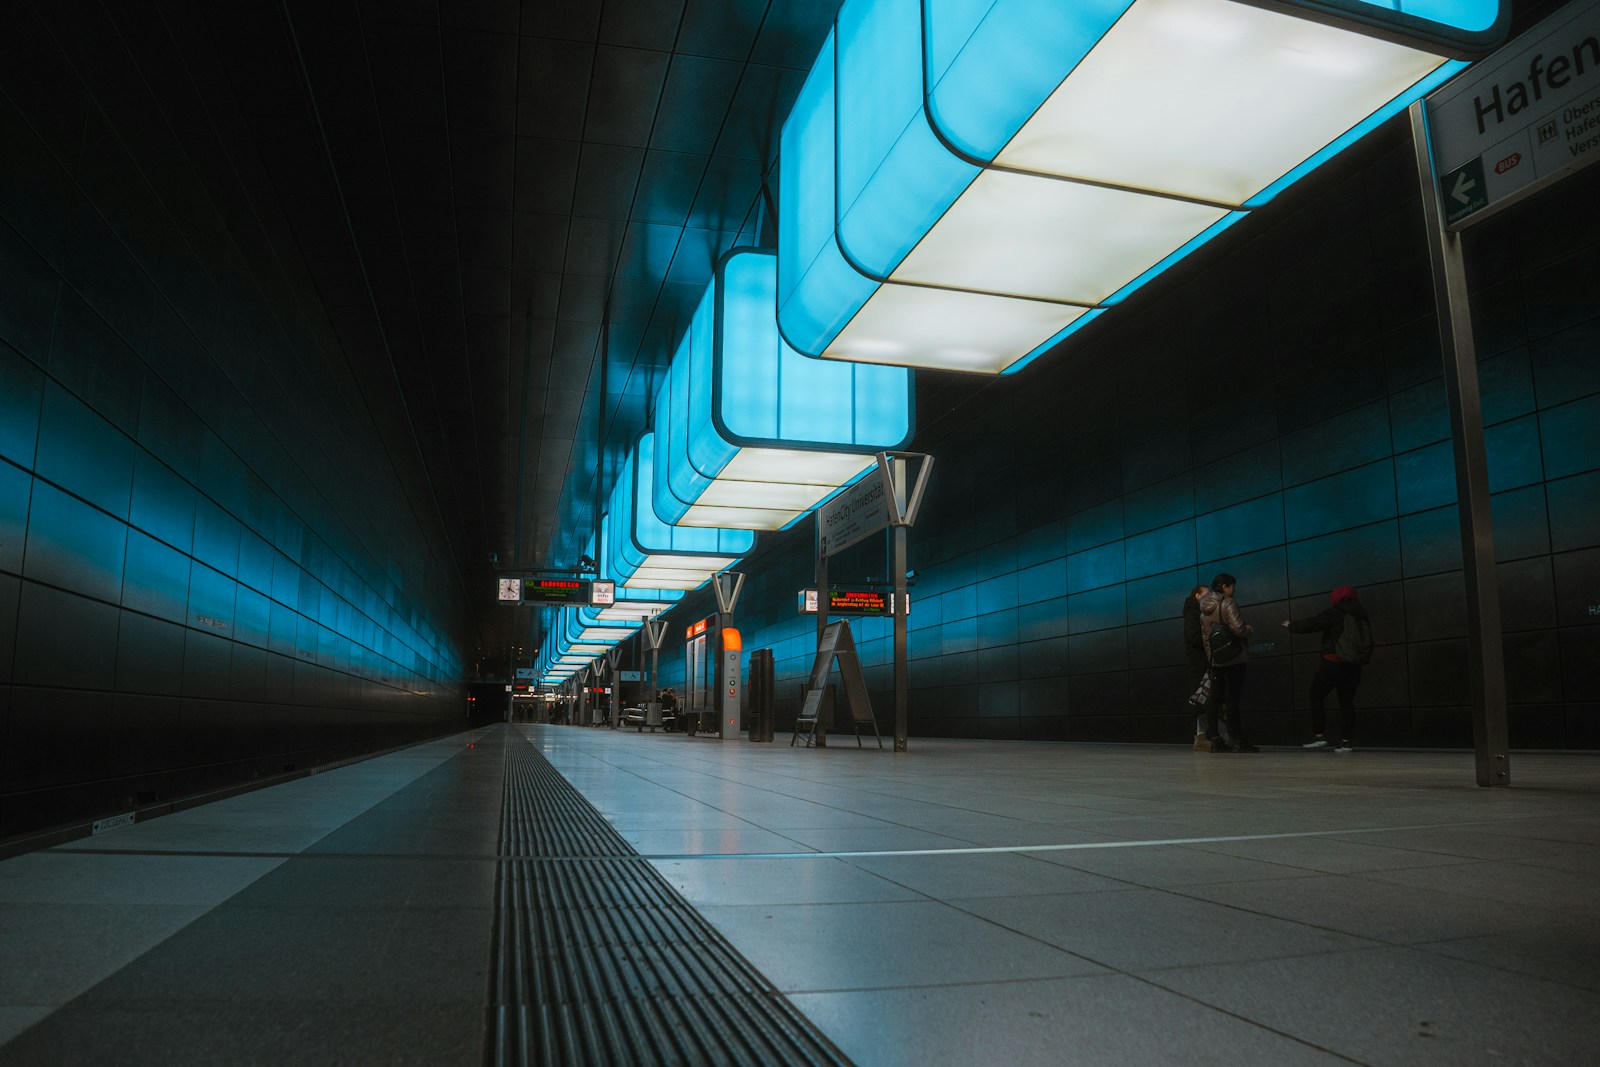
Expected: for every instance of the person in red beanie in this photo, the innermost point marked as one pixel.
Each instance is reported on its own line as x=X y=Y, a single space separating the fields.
x=1346 y=648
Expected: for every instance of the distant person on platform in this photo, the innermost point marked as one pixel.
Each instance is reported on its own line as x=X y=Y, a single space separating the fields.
x=1346 y=648
x=1194 y=654
x=1227 y=638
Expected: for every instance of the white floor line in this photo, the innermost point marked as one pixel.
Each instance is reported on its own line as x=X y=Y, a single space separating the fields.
x=1047 y=848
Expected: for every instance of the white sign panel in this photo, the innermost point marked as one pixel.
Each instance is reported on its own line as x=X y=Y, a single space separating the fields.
x=1524 y=117
x=858 y=512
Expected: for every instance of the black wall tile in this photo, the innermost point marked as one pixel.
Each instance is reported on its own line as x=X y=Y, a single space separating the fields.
x=1430 y=542
x=1577 y=584
x=1574 y=505
x=1571 y=437
x=1527 y=594
x=1580 y=662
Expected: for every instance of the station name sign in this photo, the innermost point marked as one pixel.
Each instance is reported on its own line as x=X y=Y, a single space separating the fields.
x=1520 y=119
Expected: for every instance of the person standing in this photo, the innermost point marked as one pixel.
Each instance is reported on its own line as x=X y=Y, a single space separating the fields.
x=1194 y=654
x=1227 y=642
x=1346 y=645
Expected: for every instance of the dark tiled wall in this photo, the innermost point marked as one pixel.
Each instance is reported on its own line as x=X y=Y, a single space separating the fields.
x=209 y=571
x=1278 y=412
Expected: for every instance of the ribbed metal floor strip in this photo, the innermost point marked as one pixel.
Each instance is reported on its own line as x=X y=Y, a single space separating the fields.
x=600 y=961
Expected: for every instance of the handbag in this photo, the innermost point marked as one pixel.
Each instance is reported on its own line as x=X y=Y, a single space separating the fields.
x=1202 y=693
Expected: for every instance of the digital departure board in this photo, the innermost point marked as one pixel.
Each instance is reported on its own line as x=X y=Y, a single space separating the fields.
x=859 y=602
x=867 y=602
x=555 y=591
x=574 y=591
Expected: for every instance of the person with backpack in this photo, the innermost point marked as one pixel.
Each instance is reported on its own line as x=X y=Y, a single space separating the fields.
x=1227 y=646
x=1346 y=648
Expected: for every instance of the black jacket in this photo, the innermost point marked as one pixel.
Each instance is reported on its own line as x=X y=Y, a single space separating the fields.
x=1194 y=646
x=1330 y=621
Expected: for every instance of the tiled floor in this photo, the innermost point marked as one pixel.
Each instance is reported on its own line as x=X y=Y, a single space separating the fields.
x=976 y=903
x=962 y=903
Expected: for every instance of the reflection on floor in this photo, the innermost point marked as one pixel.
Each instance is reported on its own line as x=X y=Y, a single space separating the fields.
x=961 y=903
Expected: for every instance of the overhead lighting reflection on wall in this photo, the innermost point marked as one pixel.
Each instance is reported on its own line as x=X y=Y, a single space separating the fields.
x=966 y=184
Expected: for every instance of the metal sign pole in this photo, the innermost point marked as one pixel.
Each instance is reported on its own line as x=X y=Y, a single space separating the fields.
x=1485 y=656
x=895 y=467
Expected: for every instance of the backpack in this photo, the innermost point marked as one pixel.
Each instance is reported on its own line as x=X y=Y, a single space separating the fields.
x=1354 y=643
x=1226 y=646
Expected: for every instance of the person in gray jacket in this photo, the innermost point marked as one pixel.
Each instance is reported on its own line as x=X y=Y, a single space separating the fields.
x=1227 y=643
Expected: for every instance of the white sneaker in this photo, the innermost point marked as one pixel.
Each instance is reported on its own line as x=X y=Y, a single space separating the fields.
x=1344 y=748
x=1318 y=743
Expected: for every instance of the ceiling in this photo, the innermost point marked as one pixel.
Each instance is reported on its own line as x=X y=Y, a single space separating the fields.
x=509 y=210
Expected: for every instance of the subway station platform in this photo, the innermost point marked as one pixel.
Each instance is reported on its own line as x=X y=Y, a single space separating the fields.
x=566 y=895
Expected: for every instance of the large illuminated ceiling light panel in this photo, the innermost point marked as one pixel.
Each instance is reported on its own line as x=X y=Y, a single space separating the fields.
x=583 y=626
x=751 y=434
x=965 y=183
x=647 y=553
x=631 y=604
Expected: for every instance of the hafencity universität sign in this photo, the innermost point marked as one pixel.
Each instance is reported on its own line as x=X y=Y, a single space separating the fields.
x=1524 y=117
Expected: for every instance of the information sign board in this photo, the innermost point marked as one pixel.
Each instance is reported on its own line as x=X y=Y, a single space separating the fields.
x=555 y=591
x=858 y=512
x=1521 y=119
x=850 y=601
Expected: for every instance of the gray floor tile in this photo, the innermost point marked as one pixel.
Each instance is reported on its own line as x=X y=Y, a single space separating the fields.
x=1362 y=907
x=709 y=842
x=15 y=1020
x=311 y=954
x=1164 y=865
x=805 y=947
x=50 y=953
x=757 y=881
x=1142 y=930
x=874 y=839
x=1331 y=854
x=1569 y=954
x=76 y=878
x=341 y=883
x=209 y=1033
x=994 y=874
x=1512 y=884
x=1399 y=1006
x=1095 y=1021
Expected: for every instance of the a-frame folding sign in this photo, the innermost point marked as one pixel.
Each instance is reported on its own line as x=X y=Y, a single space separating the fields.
x=836 y=644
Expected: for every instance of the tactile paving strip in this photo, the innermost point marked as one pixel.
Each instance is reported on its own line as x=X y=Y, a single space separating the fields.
x=600 y=961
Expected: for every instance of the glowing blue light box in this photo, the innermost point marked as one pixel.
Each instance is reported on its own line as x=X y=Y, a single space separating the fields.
x=750 y=434
x=966 y=183
x=648 y=553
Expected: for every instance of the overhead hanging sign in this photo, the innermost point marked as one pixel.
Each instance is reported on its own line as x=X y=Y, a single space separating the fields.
x=855 y=514
x=888 y=497
x=850 y=601
x=1525 y=117
x=545 y=591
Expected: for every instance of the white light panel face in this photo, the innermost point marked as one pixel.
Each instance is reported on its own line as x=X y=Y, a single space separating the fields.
x=740 y=518
x=1160 y=102
x=947 y=329
x=786 y=465
x=1049 y=239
